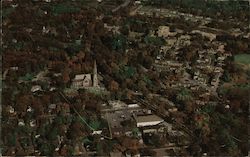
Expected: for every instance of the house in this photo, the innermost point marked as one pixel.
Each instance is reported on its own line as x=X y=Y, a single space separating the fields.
x=52 y=89
x=5 y=73
x=113 y=28
x=86 y=80
x=115 y=154
x=33 y=123
x=221 y=58
x=164 y=31
x=134 y=35
x=216 y=80
x=30 y=109
x=51 y=108
x=97 y=132
x=21 y=122
x=210 y=36
x=14 y=68
x=65 y=107
x=218 y=70
x=133 y=105
x=117 y=104
x=36 y=88
x=148 y=120
x=11 y=110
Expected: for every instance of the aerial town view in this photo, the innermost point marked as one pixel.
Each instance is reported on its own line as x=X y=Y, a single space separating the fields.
x=125 y=78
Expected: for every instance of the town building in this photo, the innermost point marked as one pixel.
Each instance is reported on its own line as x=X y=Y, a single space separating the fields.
x=86 y=80
x=148 y=120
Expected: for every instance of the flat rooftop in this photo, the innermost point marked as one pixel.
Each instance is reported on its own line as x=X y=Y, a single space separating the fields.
x=148 y=118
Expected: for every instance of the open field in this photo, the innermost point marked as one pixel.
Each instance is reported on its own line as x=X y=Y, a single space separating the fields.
x=242 y=58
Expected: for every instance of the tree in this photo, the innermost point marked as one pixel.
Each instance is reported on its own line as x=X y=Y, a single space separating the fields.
x=126 y=72
x=65 y=76
x=130 y=143
x=38 y=106
x=76 y=130
x=190 y=106
x=148 y=61
x=46 y=148
x=184 y=95
x=148 y=152
x=119 y=42
x=113 y=86
x=45 y=99
x=52 y=134
x=142 y=86
x=226 y=76
x=156 y=41
x=23 y=102
x=76 y=68
x=95 y=124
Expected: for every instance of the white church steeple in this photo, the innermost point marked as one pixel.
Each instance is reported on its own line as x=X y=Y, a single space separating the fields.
x=95 y=78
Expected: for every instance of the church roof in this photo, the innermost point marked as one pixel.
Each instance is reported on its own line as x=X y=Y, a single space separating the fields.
x=82 y=77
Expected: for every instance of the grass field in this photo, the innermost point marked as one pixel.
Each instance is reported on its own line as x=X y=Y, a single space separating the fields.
x=242 y=58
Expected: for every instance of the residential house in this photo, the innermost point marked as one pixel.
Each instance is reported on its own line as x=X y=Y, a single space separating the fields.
x=164 y=31
x=134 y=35
x=216 y=80
x=65 y=108
x=21 y=122
x=33 y=123
x=11 y=110
x=36 y=88
x=52 y=108
x=208 y=35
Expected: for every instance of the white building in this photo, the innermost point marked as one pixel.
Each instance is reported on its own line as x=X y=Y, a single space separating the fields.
x=83 y=80
x=86 y=80
x=164 y=31
x=148 y=120
x=36 y=88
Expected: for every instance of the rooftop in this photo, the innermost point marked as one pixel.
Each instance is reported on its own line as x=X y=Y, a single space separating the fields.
x=82 y=76
x=148 y=118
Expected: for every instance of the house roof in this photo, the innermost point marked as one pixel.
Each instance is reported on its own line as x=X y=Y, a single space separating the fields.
x=117 y=104
x=36 y=88
x=148 y=118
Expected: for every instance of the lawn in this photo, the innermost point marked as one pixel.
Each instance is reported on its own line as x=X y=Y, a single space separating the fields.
x=242 y=58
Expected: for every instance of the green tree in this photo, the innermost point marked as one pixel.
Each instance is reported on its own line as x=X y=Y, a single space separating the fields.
x=95 y=124
x=157 y=41
x=52 y=134
x=126 y=72
x=226 y=76
x=184 y=95
x=119 y=42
